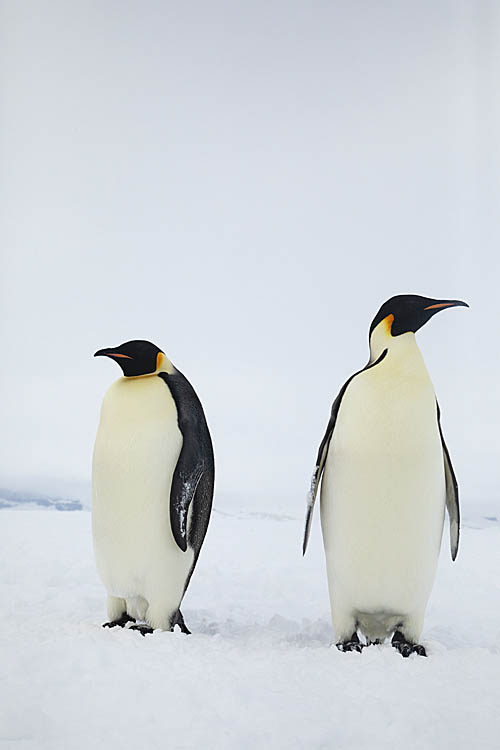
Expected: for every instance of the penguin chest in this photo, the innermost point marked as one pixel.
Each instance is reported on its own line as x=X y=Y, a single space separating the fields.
x=136 y=451
x=383 y=493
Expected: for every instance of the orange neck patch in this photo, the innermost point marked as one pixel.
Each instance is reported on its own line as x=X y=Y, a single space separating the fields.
x=388 y=324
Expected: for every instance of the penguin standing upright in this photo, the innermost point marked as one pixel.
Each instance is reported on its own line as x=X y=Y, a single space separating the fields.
x=152 y=488
x=387 y=478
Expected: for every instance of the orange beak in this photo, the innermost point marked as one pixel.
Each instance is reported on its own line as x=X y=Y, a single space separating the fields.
x=451 y=303
x=105 y=353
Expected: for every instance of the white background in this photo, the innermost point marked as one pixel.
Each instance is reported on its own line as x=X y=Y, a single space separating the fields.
x=244 y=184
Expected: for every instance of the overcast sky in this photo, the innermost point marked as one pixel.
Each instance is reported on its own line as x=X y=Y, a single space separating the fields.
x=244 y=183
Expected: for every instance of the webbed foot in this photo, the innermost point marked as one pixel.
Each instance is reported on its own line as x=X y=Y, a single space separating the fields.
x=121 y=622
x=143 y=629
x=353 y=644
x=406 y=648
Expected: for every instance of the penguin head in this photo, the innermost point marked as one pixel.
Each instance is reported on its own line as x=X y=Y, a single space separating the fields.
x=406 y=313
x=135 y=357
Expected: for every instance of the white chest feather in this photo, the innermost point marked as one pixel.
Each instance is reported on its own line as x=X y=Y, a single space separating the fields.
x=383 y=492
x=136 y=451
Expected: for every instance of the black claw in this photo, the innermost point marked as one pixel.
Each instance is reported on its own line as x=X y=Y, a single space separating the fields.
x=353 y=644
x=121 y=622
x=406 y=648
x=143 y=629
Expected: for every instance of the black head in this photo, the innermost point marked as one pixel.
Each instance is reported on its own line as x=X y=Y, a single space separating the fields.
x=134 y=357
x=410 y=312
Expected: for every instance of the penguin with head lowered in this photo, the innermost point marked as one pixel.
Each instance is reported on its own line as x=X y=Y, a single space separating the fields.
x=152 y=488
x=386 y=478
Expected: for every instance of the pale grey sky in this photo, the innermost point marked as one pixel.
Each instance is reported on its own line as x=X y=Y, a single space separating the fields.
x=244 y=184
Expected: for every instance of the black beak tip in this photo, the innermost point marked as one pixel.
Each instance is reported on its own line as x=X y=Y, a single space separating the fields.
x=100 y=353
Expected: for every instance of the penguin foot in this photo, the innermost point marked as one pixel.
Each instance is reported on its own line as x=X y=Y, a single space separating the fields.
x=121 y=622
x=143 y=629
x=179 y=620
x=406 y=648
x=353 y=644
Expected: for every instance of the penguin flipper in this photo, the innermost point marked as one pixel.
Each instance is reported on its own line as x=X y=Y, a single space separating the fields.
x=452 y=503
x=184 y=485
x=194 y=473
x=323 y=451
x=320 y=465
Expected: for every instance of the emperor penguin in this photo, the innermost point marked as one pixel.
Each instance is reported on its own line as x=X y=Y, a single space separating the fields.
x=152 y=488
x=386 y=478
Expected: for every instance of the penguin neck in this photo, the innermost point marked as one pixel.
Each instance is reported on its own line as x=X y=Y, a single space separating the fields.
x=401 y=350
x=164 y=365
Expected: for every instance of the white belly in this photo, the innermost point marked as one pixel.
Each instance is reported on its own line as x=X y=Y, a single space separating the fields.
x=383 y=494
x=136 y=450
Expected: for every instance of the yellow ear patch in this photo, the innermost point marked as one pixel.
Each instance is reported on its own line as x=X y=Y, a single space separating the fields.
x=159 y=360
x=388 y=324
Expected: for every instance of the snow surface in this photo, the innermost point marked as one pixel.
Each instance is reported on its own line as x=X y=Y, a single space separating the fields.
x=259 y=670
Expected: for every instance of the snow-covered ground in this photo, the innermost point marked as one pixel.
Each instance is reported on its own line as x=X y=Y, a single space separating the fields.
x=259 y=670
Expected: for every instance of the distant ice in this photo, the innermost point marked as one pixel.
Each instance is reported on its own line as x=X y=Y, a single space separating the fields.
x=25 y=500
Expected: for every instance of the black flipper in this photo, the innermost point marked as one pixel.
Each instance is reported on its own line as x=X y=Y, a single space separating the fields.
x=452 y=504
x=323 y=452
x=193 y=479
x=320 y=465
